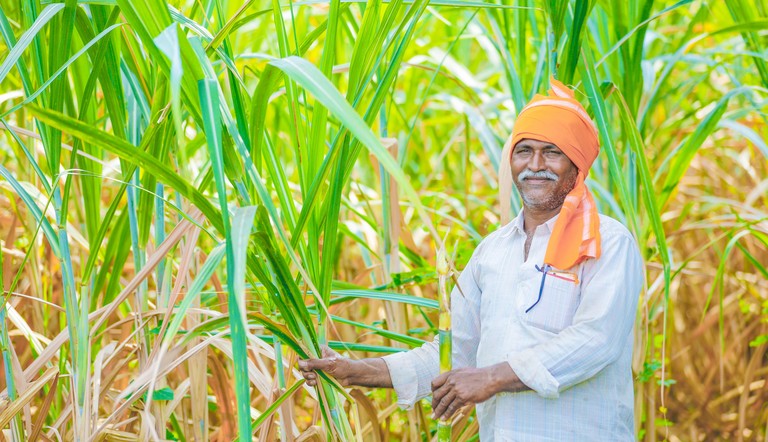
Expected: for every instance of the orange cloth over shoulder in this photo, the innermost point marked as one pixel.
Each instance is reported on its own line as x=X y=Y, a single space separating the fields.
x=559 y=119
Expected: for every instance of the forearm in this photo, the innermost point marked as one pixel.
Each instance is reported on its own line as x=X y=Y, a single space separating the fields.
x=503 y=379
x=370 y=372
x=454 y=389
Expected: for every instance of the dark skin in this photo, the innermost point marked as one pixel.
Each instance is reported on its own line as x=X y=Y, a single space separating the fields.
x=542 y=198
x=371 y=372
x=453 y=390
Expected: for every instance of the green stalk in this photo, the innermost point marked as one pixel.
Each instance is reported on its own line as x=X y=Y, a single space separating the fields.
x=209 y=100
x=444 y=326
x=17 y=429
x=285 y=426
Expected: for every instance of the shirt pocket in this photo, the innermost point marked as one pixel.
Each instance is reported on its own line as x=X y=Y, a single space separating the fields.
x=555 y=309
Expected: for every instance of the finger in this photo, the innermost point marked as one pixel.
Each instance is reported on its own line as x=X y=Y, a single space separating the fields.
x=437 y=395
x=442 y=385
x=439 y=381
x=328 y=352
x=451 y=409
x=305 y=364
x=315 y=364
x=441 y=404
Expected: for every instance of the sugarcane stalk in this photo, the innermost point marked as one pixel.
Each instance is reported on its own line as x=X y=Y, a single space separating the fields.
x=444 y=327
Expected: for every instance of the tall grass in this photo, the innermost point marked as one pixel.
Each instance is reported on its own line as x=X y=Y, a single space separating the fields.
x=196 y=194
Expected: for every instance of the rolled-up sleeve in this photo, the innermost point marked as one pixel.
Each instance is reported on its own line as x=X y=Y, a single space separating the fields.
x=601 y=325
x=412 y=371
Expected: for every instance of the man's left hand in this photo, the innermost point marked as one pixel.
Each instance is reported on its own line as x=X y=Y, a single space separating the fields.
x=454 y=389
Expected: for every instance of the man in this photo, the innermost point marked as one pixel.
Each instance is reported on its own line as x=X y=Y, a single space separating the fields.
x=542 y=326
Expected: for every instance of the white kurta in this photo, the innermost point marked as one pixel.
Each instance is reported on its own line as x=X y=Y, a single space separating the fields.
x=573 y=348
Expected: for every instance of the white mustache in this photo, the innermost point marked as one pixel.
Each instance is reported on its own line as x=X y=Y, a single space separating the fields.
x=543 y=174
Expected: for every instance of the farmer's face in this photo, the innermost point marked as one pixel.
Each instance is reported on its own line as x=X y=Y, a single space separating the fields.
x=543 y=174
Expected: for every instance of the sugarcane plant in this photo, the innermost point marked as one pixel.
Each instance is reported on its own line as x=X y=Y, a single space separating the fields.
x=444 y=325
x=247 y=128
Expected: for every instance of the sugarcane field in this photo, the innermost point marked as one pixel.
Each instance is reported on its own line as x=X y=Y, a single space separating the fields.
x=384 y=220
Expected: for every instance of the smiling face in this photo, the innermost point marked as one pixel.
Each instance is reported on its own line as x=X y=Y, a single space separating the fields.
x=543 y=174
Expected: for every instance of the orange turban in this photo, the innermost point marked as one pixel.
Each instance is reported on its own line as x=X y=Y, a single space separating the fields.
x=559 y=119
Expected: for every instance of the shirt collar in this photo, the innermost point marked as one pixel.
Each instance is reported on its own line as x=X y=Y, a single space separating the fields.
x=550 y=224
x=517 y=224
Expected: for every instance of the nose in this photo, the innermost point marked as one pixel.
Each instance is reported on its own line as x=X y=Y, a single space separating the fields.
x=537 y=162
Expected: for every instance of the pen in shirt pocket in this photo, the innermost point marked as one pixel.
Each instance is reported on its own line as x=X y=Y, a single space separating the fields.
x=566 y=276
x=559 y=274
x=546 y=270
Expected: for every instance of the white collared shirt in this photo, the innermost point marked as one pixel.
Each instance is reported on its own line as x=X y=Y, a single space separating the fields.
x=573 y=348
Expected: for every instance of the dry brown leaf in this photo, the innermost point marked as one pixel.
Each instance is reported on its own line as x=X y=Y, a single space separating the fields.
x=26 y=396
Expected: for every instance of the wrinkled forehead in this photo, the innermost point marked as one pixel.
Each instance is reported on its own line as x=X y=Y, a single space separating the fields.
x=536 y=143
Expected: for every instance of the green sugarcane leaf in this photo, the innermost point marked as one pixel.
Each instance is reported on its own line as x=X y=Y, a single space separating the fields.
x=31 y=97
x=603 y=121
x=352 y=346
x=10 y=41
x=168 y=43
x=346 y=295
x=201 y=279
x=276 y=404
x=313 y=81
x=287 y=289
x=131 y=154
x=649 y=192
x=582 y=8
x=683 y=155
x=399 y=337
x=242 y=223
x=209 y=105
x=13 y=57
x=29 y=201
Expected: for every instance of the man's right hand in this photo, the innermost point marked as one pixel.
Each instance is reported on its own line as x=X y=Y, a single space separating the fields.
x=371 y=372
x=332 y=363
